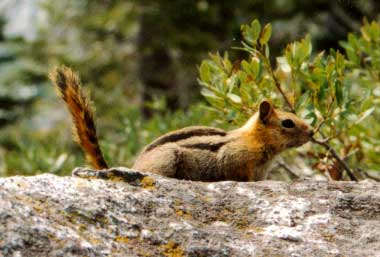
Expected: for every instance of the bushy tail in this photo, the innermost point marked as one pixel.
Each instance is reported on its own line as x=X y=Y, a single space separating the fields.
x=68 y=86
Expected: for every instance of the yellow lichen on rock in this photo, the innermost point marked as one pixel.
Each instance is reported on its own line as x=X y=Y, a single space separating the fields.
x=172 y=249
x=122 y=239
x=148 y=182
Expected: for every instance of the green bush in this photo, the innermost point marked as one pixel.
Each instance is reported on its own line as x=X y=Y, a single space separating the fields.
x=338 y=93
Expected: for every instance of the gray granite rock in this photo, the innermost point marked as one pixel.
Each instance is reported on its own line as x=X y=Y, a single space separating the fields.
x=126 y=213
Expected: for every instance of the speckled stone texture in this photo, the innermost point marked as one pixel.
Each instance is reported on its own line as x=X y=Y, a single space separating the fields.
x=126 y=213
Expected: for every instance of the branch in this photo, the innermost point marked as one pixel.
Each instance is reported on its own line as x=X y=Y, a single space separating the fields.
x=276 y=82
x=292 y=174
x=323 y=121
x=371 y=176
x=278 y=86
x=337 y=157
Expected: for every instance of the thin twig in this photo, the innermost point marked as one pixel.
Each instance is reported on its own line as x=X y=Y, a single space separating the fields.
x=288 y=170
x=276 y=82
x=337 y=157
x=371 y=176
x=319 y=126
x=330 y=110
x=278 y=86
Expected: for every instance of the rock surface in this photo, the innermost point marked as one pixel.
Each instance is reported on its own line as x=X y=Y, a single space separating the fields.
x=126 y=213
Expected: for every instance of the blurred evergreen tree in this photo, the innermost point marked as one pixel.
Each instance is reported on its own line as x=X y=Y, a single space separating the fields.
x=19 y=78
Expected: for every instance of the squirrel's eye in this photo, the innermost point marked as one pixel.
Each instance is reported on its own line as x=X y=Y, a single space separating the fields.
x=288 y=123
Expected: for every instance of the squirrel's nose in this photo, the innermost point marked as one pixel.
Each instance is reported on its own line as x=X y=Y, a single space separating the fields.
x=311 y=133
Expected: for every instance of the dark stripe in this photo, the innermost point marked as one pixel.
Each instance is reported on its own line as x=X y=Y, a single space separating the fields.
x=91 y=129
x=61 y=80
x=102 y=162
x=77 y=104
x=213 y=147
x=92 y=137
x=171 y=138
x=89 y=119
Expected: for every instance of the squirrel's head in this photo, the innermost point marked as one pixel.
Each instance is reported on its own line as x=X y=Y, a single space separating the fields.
x=279 y=129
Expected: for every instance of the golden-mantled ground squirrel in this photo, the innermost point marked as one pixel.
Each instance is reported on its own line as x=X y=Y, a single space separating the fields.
x=194 y=153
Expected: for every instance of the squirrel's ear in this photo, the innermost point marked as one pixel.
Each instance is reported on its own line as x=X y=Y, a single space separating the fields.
x=265 y=110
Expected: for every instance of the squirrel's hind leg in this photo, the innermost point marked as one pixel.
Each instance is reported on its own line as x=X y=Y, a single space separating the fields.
x=165 y=161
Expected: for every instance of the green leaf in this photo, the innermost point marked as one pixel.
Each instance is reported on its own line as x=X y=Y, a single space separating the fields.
x=352 y=56
x=307 y=46
x=255 y=66
x=227 y=63
x=302 y=50
x=246 y=66
x=251 y=33
x=339 y=92
x=364 y=115
x=266 y=34
x=367 y=102
x=256 y=28
x=322 y=94
x=204 y=72
x=252 y=68
x=302 y=101
x=245 y=92
x=339 y=63
x=365 y=34
x=234 y=98
x=267 y=51
x=289 y=54
x=214 y=100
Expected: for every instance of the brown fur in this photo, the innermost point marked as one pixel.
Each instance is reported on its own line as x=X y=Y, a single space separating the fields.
x=84 y=130
x=241 y=155
x=196 y=153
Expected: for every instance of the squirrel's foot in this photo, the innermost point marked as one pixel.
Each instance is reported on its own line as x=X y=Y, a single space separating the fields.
x=114 y=174
x=85 y=173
